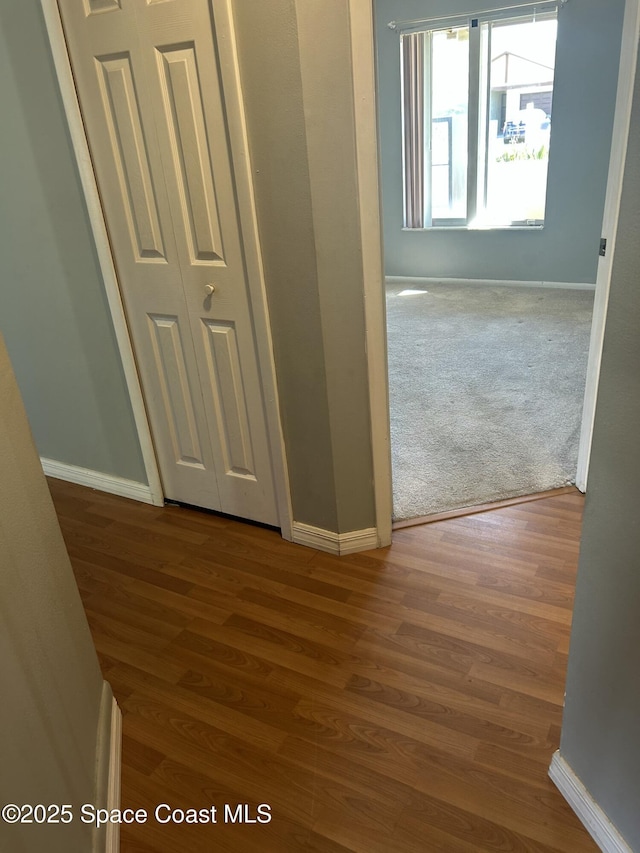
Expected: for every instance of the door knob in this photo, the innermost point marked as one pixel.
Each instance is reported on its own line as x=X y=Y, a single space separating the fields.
x=209 y=289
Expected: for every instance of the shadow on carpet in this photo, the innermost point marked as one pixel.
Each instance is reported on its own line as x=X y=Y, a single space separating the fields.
x=486 y=390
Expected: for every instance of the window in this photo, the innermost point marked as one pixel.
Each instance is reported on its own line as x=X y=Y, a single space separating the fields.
x=477 y=95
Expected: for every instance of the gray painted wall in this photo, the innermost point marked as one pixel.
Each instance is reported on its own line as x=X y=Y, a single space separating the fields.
x=296 y=74
x=53 y=310
x=272 y=86
x=601 y=729
x=586 y=79
x=52 y=688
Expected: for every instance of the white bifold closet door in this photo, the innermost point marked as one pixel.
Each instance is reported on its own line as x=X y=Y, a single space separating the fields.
x=150 y=91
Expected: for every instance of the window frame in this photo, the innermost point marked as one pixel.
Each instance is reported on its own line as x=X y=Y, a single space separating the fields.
x=415 y=76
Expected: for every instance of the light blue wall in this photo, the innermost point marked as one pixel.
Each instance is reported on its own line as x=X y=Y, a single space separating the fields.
x=600 y=728
x=53 y=309
x=584 y=99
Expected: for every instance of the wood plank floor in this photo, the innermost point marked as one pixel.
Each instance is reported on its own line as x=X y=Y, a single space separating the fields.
x=404 y=700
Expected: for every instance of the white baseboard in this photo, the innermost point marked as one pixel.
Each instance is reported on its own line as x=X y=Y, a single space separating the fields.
x=591 y=815
x=335 y=543
x=102 y=482
x=486 y=282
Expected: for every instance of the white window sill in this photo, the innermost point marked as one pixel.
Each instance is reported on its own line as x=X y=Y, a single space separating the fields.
x=476 y=228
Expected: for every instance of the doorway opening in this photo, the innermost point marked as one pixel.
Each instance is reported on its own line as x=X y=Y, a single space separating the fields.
x=490 y=299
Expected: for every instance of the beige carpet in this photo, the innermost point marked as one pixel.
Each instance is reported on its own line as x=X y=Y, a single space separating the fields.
x=486 y=389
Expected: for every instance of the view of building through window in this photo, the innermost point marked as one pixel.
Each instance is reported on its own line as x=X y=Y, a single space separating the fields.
x=483 y=110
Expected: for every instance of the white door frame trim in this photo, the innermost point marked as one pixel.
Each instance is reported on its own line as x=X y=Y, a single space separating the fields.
x=621 y=123
x=249 y=229
x=368 y=177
